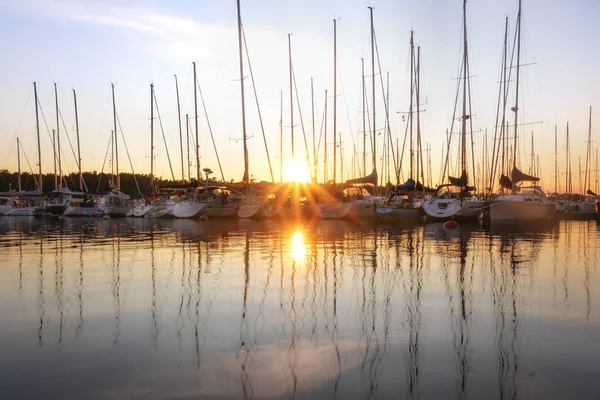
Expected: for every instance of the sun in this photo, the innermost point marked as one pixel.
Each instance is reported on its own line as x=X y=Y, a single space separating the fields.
x=297 y=171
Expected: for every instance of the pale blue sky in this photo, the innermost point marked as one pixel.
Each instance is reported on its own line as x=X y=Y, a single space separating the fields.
x=88 y=44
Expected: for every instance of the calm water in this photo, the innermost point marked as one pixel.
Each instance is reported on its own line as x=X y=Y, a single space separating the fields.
x=245 y=309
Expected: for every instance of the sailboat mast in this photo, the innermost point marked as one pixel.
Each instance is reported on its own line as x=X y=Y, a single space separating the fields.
x=291 y=93
x=281 y=136
x=334 y=99
x=373 y=84
x=187 y=136
x=245 y=178
x=515 y=109
x=58 y=137
x=555 y=160
x=198 y=177
x=151 y=136
x=78 y=143
x=463 y=140
x=364 y=118
x=410 y=106
x=312 y=110
x=54 y=152
x=588 y=156
x=325 y=170
x=116 y=141
x=568 y=166
x=19 y=162
x=37 y=129
x=180 y=136
x=419 y=158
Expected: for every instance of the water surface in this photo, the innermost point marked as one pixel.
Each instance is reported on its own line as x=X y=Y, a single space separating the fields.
x=91 y=308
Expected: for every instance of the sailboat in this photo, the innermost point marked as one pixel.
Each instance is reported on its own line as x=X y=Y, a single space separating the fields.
x=190 y=205
x=401 y=204
x=356 y=201
x=15 y=204
x=114 y=203
x=454 y=200
x=524 y=203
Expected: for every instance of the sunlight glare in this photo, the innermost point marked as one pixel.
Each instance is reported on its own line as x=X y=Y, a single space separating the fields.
x=297 y=171
x=298 y=250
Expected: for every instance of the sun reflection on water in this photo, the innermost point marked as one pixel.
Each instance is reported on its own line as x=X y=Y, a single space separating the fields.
x=298 y=248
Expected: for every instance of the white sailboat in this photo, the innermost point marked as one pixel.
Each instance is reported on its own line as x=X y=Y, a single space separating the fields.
x=524 y=203
x=454 y=200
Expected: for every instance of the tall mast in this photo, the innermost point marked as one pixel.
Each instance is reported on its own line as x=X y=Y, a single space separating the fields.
x=364 y=117
x=588 y=157
x=245 y=178
x=116 y=141
x=373 y=84
x=325 y=170
x=291 y=92
x=334 y=99
x=281 y=136
x=19 y=162
x=198 y=177
x=78 y=145
x=187 y=135
x=37 y=129
x=555 y=160
x=463 y=140
x=515 y=109
x=54 y=152
x=410 y=107
x=151 y=136
x=568 y=166
x=312 y=107
x=58 y=137
x=180 y=136
x=420 y=172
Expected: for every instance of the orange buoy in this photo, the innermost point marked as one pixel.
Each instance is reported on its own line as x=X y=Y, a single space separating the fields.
x=450 y=225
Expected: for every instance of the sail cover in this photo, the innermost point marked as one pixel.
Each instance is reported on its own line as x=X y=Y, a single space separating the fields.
x=371 y=178
x=505 y=182
x=408 y=185
x=462 y=181
x=590 y=193
x=517 y=176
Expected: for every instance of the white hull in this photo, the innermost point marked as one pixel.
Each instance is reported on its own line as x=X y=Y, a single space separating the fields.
x=250 y=211
x=523 y=211
x=335 y=210
x=188 y=209
x=451 y=208
x=394 y=214
x=115 y=211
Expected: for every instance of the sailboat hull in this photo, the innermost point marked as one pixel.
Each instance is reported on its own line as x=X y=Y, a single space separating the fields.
x=188 y=209
x=392 y=214
x=520 y=211
x=221 y=210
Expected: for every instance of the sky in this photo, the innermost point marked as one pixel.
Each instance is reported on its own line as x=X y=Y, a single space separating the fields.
x=88 y=44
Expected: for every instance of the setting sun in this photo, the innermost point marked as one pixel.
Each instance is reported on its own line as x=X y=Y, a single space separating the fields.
x=297 y=171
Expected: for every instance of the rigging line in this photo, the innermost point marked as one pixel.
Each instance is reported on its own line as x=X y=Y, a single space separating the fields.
x=302 y=124
x=128 y=156
x=449 y=139
x=387 y=113
x=20 y=120
x=193 y=140
x=28 y=164
x=70 y=145
x=257 y=105
x=46 y=124
x=471 y=125
x=320 y=133
x=346 y=104
x=163 y=135
x=494 y=163
x=104 y=162
x=210 y=130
